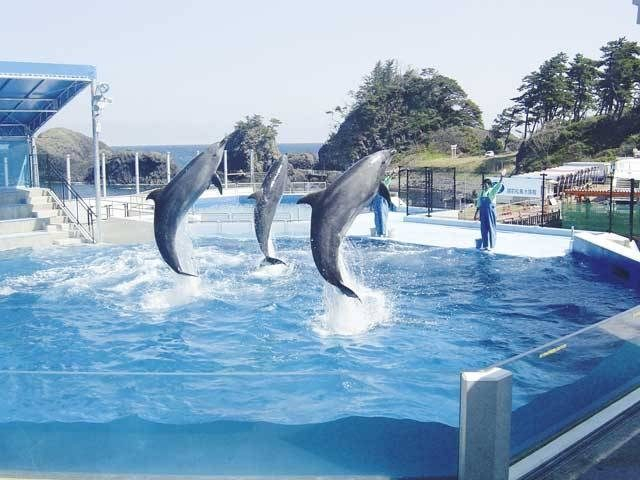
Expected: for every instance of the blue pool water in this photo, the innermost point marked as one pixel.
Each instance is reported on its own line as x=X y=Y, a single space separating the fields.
x=111 y=338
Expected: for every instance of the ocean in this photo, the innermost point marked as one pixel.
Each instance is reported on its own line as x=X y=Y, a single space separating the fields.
x=182 y=154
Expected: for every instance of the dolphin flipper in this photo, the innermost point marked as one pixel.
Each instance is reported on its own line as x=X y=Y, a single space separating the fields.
x=153 y=194
x=311 y=198
x=383 y=191
x=215 y=180
x=255 y=195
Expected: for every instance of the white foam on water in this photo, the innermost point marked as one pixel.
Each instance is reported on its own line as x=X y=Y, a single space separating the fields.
x=184 y=290
x=272 y=271
x=6 y=291
x=349 y=316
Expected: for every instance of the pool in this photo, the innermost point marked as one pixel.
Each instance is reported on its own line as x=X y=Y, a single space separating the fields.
x=249 y=371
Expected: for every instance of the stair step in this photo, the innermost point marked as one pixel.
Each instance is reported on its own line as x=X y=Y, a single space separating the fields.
x=15 y=211
x=58 y=227
x=30 y=240
x=22 y=225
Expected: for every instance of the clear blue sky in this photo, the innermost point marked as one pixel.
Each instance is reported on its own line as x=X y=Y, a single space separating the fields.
x=185 y=71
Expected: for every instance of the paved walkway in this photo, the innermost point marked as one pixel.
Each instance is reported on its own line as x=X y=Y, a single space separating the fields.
x=614 y=455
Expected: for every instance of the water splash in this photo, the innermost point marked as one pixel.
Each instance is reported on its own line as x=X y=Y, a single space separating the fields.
x=349 y=316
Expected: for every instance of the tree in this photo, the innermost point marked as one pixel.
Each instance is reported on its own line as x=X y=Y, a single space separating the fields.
x=253 y=134
x=395 y=109
x=505 y=123
x=620 y=76
x=582 y=75
x=545 y=94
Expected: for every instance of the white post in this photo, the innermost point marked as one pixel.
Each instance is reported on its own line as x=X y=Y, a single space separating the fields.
x=6 y=172
x=104 y=176
x=96 y=159
x=69 y=174
x=168 y=167
x=36 y=167
x=251 y=167
x=485 y=425
x=137 y=167
x=224 y=159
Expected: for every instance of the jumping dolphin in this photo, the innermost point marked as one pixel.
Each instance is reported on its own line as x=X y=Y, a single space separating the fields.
x=335 y=208
x=267 y=200
x=174 y=201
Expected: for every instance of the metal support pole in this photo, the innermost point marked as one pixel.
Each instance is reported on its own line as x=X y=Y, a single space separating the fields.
x=610 y=203
x=69 y=175
x=96 y=161
x=137 y=171
x=544 y=176
x=407 y=194
x=6 y=172
x=226 y=170
x=454 y=188
x=168 y=167
x=632 y=198
x=485 y=425
x=104 y=176
x=426 y=190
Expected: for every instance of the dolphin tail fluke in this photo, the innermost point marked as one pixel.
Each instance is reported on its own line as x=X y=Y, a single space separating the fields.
x=273 y=261
x=311 y=198
x=215 y=179
x=383 y=190
x=348 y=292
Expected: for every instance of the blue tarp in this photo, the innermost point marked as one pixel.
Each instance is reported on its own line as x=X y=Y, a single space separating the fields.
x=32 y=93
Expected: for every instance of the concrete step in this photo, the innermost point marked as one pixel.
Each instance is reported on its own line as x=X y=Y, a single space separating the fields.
x=14 y=211
x=40 y=200
x=58 y=227
x=30 y=240
x=58 y=220
x=65 y=242
x=42 y=211
x=22 y=225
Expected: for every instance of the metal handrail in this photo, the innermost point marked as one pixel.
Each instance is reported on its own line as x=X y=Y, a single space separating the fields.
x=67 y=197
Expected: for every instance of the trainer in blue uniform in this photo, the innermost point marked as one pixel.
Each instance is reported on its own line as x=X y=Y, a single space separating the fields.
x=380 y=208
x=486 y=206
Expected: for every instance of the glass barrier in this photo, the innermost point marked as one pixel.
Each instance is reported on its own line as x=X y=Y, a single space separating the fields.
x=205 y=423
x=564 y=382
x=14 y=163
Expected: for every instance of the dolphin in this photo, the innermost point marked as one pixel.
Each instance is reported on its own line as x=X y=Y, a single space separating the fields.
x=267 y=199
x=174 y=201
x=335 y=208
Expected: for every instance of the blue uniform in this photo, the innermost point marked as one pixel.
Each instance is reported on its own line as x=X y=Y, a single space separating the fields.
x=380 y=209
x=487 y=209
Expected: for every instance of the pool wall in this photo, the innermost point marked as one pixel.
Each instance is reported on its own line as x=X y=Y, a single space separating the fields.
x=541 y=426
x=611 y=252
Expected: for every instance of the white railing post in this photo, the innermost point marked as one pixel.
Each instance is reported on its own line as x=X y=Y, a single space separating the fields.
x=6 y=172
x=69 y=174
x=251 y=167
x=137 y=172
x=104 y=176
x=485 y=425
x=168 y=167
x=224 y=159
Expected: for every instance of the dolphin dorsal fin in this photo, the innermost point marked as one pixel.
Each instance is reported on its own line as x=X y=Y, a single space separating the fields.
x=311 y=198
x=215 y=179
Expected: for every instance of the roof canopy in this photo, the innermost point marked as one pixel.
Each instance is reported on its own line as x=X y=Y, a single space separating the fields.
x=32 y=93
